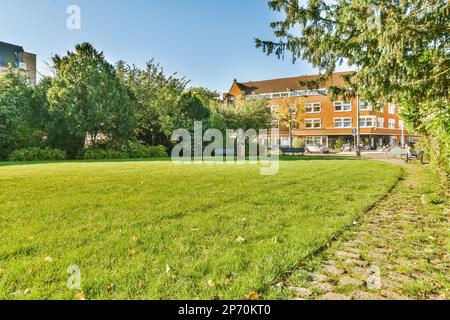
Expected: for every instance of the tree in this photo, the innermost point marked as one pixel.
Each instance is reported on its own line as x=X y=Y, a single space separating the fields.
x=87 y=98
x=242 y=114
x=15 y=113
x=401 y=49
x=289 y=114
x=155 y=95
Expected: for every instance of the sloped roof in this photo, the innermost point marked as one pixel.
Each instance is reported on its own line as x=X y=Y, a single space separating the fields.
x=290 y=84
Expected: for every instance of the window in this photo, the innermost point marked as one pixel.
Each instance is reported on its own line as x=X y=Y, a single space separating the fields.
x=275 y=124
x=342 y=106
x=367 y=122
x=321 y=141
x=274 y=141
x=313 y=107
x=392 y=124
x=313 y=123
x=380 y=122
x=391 y=108
x=274 y=108
x=365 y=106
x=285 y=142
x=342 y=122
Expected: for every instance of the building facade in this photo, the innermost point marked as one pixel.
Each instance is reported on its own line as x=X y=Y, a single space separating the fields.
x=16 y=57
x=320 y=119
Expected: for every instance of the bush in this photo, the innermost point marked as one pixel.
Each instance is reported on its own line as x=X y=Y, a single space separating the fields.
x=37 y=154
x=103 y=154
x=298 y=142
x=339 y=144
x=139 y=151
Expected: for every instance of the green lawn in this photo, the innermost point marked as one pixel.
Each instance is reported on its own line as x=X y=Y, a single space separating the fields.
x=154 y=230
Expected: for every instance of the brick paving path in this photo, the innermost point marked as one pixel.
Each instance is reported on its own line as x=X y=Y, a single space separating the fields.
x=399 y=250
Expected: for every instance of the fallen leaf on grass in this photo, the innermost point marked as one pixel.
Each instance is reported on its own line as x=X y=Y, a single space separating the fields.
x=210 y=283
x=132 y=252
x=136 y=239
x=240 y=239
x=254 y=295
x=80 y=296
x=48 y=259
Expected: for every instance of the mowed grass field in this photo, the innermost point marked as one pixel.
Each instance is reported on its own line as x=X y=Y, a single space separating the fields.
x=155 y=230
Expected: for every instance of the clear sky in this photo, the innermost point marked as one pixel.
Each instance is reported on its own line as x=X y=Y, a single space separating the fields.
x=208 y=41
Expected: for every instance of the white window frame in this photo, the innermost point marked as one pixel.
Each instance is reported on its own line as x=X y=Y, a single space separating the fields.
x=313 y=106
x=317 y=140
x=391 y=108
x=285 y=142
x=297 y=93
x=275 y=124
x=343 y=105
x=392 y=124
x=343 y=121
x=313 y=122
x=274 y=107
x=365 y=106
x=381 y=121
x=372 y=118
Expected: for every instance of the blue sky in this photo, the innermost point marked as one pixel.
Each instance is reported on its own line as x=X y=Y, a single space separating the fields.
x=208 y=41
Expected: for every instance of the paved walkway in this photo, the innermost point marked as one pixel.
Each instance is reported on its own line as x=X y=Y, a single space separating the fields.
x=398 y=250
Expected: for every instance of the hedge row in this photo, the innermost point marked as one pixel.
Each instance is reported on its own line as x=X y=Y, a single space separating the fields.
x=48 y=154
x=134 y=152
x=37 y=154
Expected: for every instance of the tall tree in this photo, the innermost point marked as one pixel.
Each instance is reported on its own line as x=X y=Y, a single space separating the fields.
x=155 y=95
x=401 y=48
x=242 y=114
x=87 y=98
x=16 y=99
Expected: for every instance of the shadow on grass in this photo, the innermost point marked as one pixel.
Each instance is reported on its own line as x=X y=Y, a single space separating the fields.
x=283 y=158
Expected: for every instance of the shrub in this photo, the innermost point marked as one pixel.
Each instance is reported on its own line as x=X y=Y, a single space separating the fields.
x=339 y=144
x=94 y=153
x=298 y=142
x=37 y=154
x=133 y=151
x=157 y=152
x=139 y=151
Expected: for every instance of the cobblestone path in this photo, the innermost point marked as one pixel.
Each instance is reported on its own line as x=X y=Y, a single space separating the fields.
x=399 y=250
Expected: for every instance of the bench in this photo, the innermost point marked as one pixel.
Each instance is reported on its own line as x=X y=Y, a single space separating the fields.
x=293 y=150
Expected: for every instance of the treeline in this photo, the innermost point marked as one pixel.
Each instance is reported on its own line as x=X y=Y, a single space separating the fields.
x=92 y=109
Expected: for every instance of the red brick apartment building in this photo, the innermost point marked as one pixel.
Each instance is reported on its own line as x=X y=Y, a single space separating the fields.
x=322 y=119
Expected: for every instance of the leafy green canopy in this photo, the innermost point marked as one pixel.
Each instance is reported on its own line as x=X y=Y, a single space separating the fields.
x=401 y=49
x=163 y=102
x=15 y=113
x=87 y=97
x=242 y=114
